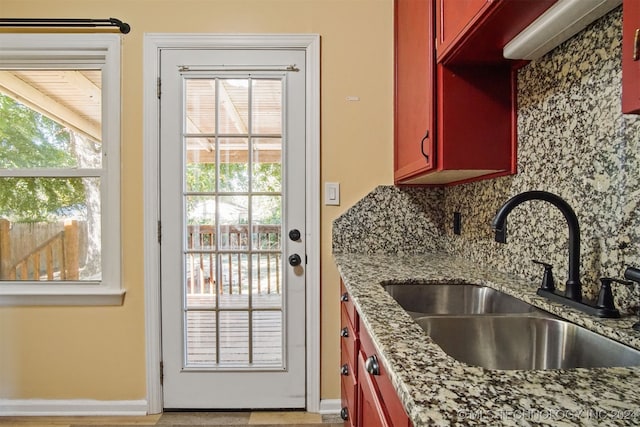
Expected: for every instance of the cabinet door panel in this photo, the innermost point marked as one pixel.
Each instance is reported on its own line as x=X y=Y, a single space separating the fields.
x=370 y=412
x=453 y=17
x=630 y=64
x=381 y=383
x=349 y=389
x=414 y=87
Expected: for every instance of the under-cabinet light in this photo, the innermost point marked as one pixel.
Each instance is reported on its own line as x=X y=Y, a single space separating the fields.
x=559 y=23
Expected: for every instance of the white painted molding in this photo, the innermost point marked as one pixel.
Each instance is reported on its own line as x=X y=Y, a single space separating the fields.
x=40 y=407
x=153 y=43
x=330 y=406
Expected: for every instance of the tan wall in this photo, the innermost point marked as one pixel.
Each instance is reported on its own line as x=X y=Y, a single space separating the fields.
x=98 y=353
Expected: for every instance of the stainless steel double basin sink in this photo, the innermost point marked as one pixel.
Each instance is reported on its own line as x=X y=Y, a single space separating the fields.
x=484 y=327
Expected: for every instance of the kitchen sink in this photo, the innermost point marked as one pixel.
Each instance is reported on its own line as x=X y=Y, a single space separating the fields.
x=525 y=342
x=428 y=299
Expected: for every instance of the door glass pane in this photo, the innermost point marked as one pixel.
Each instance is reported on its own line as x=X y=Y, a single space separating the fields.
x=233 y=106
x=267 y=164
x=233 y=223
x=266 y=116
x=200 y=280
x=200 y=168
x=234 y=280
x=200 y=114
x=234 y=165
x=267 y=340
x=267 y=280
x=201 y=338
x=234 y=337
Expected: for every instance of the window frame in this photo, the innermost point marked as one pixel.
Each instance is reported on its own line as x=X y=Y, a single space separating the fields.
x=21 y=50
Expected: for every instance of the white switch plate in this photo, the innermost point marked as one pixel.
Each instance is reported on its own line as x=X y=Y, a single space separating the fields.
x=332 y=193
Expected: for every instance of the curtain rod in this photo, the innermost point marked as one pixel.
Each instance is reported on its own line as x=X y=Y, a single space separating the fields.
x=72 y=23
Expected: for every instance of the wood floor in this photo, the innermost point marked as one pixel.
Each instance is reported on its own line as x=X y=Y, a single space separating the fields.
x=180 y=419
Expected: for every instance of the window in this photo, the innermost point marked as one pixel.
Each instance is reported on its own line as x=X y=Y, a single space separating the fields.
x=59 y=169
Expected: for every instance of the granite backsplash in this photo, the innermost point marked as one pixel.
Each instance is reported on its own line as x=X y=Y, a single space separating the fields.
x=572 y=141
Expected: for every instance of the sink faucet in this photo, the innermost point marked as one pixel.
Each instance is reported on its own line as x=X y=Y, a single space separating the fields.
x=573 y=290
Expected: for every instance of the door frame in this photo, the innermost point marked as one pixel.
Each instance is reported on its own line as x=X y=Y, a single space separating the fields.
x=153 y=44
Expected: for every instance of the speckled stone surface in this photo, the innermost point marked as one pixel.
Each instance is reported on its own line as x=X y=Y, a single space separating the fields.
x=392 y=220
x=572 y=141
x=437 y=390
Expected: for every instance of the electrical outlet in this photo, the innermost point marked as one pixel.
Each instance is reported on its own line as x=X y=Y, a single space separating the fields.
x=457 y=223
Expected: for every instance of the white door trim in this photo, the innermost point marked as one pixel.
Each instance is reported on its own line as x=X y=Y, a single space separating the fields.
x=153 y=43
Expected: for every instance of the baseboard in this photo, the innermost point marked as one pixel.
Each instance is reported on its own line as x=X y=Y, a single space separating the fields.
x=42 y=407
x=330 y=406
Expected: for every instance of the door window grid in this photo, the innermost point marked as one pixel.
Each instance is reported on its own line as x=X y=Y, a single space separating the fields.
x=233 y=252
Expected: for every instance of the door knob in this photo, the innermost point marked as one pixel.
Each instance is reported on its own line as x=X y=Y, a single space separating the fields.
x=294 y=234
x=295 y=260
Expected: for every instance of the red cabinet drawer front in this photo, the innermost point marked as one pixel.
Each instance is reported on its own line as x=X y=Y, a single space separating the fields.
x=381 y=383
x=349 y=405
x=349 y=390
x=349 y=340
x=347 y=305
x=370 y=407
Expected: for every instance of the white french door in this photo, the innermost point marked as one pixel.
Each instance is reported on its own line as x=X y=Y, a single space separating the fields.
x=232 y=186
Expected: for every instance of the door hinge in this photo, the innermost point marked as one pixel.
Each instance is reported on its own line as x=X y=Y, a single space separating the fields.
x=159 y=87
x=305 y=259
x=161 y=373
x=159 y=231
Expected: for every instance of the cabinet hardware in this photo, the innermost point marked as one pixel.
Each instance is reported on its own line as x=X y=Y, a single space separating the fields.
x=372 y=366
x=636 y=45
x=344 y=413
x=344 y=332
x=426 y=155
x=344 y=369
x=344 y=297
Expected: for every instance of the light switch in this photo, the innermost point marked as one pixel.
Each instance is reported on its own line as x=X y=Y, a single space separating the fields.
x=332 y=193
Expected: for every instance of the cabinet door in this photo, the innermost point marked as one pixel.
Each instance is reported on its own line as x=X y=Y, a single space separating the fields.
x=453 y=17
x=631 y=56
x=414 y=88
x=370 y=409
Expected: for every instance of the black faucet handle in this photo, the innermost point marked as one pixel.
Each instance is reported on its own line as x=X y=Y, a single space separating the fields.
x=548 y=283
x=632 y=273
x=605 y=296
x=546 y=265
x=610 y=280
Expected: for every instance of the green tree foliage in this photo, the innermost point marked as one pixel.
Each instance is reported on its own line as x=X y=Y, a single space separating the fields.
x=233 y=177
x=31 y=140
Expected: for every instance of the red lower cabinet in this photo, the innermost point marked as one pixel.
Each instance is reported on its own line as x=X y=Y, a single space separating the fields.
x=368 y=397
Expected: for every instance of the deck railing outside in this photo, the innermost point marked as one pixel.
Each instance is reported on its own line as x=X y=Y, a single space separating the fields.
x=234 y=251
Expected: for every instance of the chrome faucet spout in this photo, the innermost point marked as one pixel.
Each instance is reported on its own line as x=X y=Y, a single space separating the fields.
x=573 y=286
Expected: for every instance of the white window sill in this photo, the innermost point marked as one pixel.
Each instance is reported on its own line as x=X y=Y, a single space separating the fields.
x=52 y=295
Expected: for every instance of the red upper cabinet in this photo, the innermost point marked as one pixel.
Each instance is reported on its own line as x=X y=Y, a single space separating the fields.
x=453 y=18
x=475 y=31
x=631 y=56
x=414 y=88
x=455 y=115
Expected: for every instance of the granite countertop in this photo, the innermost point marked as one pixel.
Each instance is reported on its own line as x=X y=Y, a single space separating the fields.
x=438 y=390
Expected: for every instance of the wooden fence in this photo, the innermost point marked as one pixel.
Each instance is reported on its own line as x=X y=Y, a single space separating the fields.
x=40 y=251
